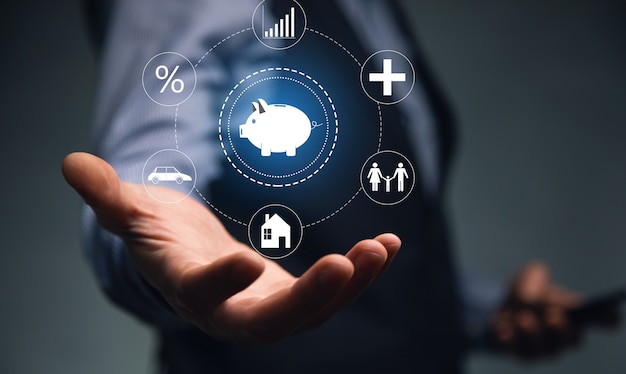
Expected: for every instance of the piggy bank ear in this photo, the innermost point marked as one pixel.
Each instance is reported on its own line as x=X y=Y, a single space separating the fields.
x=255 y=107
x=262 y=105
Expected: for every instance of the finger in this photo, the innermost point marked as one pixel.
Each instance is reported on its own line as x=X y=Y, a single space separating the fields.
x=560 y=331
x=285 y=311
x=531 y=341
x=561 y=297
x=531 y=283
x=392 y=244
x=98 y=184
x=555 y=318
x=545 y=332
x=369 y=257
x=527 y=322
x=503 y=329
x=202 y=288
x=515 y=332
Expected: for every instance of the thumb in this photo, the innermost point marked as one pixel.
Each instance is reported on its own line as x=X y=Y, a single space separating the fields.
x=532 y=282
x=98 y=184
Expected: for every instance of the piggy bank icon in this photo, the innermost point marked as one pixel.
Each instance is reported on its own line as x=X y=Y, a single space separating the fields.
x=276 y=128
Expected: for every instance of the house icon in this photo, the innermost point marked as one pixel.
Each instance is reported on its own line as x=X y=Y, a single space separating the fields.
x=275 y=233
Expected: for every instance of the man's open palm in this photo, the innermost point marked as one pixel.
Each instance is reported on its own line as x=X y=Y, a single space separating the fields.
x=212 y=280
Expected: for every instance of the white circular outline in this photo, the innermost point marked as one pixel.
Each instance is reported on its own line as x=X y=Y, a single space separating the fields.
x=384 y=102
x=143 y=74
x=365 y=189
x=332 y=146
x=143 y=172
x=380 y=122
x=250 y=229
x=289 y=46
x=319 y=100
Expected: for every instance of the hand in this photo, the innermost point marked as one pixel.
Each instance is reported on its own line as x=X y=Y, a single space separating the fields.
x=535 y=320
x=210 y=279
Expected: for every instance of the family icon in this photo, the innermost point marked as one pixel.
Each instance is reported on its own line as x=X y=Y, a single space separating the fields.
x=375 y=178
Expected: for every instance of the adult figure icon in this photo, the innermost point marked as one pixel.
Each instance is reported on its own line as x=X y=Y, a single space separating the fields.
x=374 y=175
x=401 y=174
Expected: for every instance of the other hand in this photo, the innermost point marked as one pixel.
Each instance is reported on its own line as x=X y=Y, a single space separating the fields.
x=535 y=321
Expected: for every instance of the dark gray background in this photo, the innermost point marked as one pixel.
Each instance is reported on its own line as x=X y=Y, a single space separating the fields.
x=540 y=93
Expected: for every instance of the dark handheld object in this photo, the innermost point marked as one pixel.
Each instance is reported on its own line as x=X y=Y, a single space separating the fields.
x=595 y=306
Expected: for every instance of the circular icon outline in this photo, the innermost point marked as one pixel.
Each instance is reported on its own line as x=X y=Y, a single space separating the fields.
x=250 y=231
x=380 y=124
x=143 y=75
x=143 y=174
x=387 y=102
x=327 y=121
x=331 y=148
x=367 y=163
x=304 y=29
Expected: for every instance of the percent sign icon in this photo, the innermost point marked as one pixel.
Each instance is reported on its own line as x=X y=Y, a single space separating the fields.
x=176 y=85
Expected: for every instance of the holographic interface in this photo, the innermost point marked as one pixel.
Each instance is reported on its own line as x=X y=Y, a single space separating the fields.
x=301 y=134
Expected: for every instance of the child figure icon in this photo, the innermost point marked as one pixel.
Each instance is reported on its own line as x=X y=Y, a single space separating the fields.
x=387 y=183
x=378 y=169
x=375 y=175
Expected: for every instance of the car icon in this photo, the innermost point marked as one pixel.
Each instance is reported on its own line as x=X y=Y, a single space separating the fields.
x=168 y=174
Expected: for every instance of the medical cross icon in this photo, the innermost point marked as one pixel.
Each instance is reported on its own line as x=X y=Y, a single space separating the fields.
x=387 y=77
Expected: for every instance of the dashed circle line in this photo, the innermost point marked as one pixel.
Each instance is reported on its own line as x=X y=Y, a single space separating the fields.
x=232 y=146
x=220 y=42
x=335 y=212
x=253 y=179
x=217 y=210
x=380 y=127
x=337 y=43
x=380 y=117
x=176 y=126
x=380 y=114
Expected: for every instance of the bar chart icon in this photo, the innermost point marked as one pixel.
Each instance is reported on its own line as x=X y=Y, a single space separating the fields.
x=279 y=24
x=285 y=28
